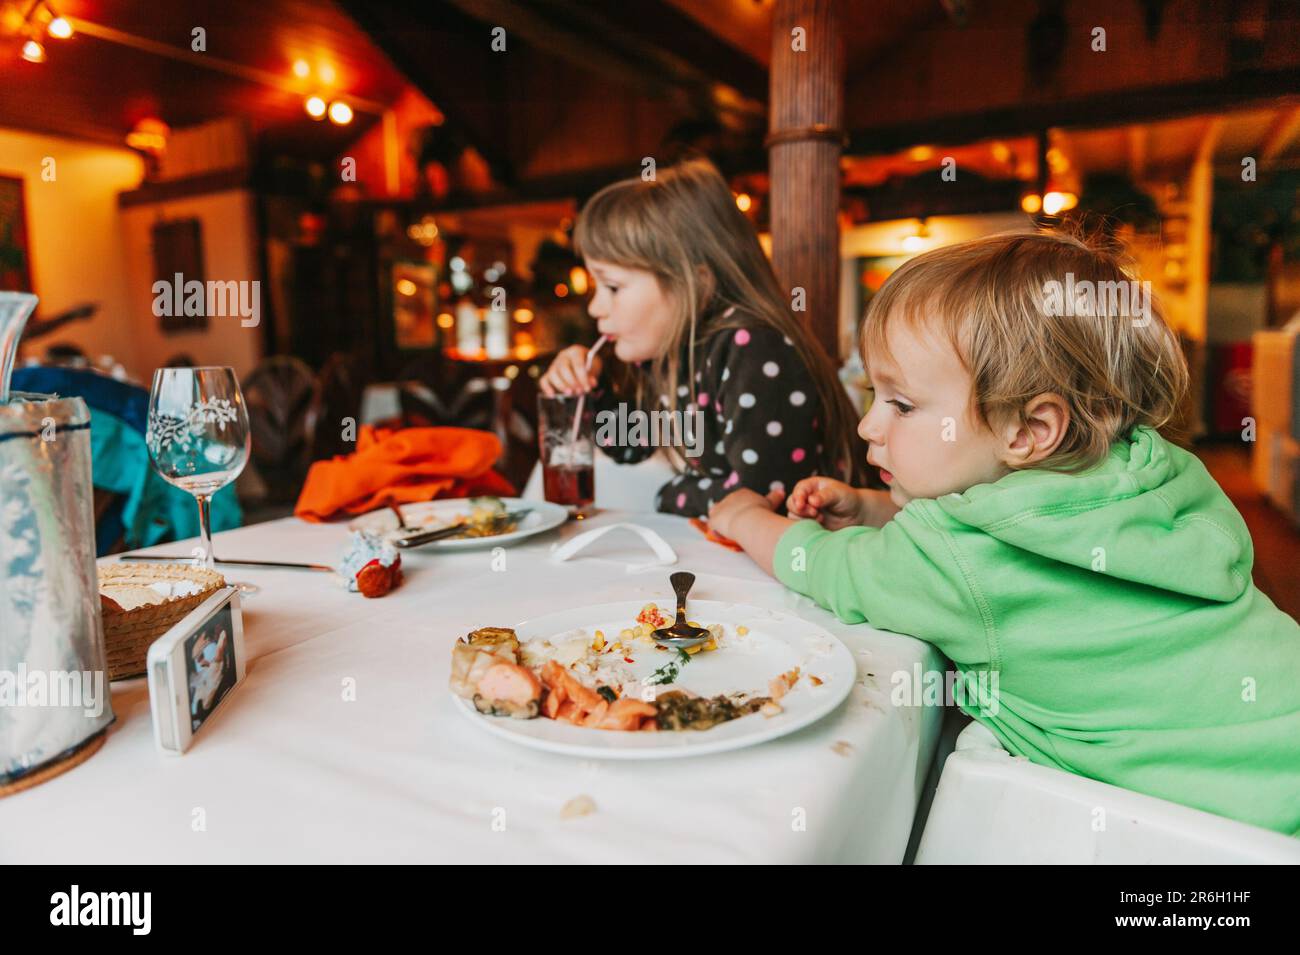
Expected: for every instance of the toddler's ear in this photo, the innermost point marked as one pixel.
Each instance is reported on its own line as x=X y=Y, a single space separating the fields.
x=1040 y=431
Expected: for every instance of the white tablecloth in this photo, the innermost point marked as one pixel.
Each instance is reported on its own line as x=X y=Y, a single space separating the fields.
x=288 y=770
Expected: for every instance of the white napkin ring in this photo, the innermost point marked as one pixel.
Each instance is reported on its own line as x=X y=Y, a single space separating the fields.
x=662 y=550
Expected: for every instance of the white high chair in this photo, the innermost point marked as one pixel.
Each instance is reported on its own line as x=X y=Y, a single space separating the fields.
x=993 y=808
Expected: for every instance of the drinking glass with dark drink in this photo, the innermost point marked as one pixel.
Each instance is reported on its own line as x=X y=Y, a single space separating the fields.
x=565 y=434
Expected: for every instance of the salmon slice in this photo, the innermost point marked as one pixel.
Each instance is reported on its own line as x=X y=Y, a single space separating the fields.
x=626 y=714
x=552 y=674
x=585 y=697
x=597 y=714
x=551 y=704
x=509 y=683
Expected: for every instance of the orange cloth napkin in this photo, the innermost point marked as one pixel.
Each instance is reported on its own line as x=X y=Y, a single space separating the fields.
x=401 y=466
x=714 y=536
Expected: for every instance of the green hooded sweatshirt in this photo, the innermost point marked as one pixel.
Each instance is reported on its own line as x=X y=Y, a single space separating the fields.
x=1109 y=615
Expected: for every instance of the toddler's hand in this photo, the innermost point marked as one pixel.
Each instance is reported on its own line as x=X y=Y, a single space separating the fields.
x=725 y=514
x=568 y=374
x=831 y=503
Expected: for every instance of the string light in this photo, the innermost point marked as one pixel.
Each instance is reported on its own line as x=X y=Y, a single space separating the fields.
x=340 y=113
x=917 y=240
x=58 y=27
x=578 y=279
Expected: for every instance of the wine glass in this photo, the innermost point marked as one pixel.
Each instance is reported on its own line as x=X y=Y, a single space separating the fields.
x=198 y=437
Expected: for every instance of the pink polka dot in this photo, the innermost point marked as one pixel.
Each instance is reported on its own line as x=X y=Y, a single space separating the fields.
x=742 y=336
x=681 y=501
x=797 y=455
x=703 y=400
x=732 y=481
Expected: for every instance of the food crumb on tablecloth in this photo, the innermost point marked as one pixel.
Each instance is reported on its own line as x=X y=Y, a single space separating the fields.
x=578 y=806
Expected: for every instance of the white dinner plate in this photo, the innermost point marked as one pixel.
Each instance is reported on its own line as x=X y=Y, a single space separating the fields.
x=776 y=642
x=435 y=514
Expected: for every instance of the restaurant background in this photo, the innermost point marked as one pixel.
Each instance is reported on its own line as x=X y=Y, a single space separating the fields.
x=378 y=241
x=392 y=189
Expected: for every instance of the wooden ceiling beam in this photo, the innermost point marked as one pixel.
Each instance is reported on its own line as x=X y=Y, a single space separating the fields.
x=1209 y=139
x=650 y=47
x=1280 y=134
x=432 y=45
x=1137 y=152
x=1264 y=88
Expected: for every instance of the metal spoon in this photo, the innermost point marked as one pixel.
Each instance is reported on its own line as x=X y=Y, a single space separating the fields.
x=681 y=634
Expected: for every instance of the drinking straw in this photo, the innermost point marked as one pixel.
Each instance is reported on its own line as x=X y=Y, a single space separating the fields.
x=577 y=417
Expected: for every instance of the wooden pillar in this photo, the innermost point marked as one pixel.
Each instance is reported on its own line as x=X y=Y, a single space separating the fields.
x=805 y=138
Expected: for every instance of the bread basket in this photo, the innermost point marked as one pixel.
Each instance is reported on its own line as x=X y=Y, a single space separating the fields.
x=146 y=611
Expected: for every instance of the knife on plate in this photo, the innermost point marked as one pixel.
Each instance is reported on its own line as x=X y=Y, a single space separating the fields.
x=420 y=538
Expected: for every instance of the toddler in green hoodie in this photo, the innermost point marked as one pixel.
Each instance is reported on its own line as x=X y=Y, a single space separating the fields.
x=1088 y=575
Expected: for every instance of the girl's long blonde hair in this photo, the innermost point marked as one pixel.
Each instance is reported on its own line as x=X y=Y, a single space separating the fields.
x=684 y=227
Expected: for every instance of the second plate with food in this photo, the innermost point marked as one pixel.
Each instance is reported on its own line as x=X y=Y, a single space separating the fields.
x=432 y=515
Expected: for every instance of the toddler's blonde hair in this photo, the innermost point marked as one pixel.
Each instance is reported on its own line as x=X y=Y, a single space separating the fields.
x=994 y=300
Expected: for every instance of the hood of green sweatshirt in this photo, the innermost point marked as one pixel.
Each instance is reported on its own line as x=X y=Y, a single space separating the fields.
x=1148 y=514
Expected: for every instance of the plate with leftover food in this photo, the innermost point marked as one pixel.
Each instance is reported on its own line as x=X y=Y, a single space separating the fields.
x=592 y=682
x=482 y=521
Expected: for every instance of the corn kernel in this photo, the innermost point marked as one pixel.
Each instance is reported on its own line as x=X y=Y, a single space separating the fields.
x=599 y=642
x=711 y=645
x=693 y=623
x=742 y=630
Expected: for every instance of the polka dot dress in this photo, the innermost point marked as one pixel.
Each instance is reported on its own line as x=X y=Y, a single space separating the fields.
x=759 y=409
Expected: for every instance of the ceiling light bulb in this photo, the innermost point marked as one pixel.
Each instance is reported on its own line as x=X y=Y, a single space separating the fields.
x=340 y=113
x=315 y=107
x=33 y=52
x=60 y=28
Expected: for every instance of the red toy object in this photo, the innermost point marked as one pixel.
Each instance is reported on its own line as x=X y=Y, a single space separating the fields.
x=375 y=580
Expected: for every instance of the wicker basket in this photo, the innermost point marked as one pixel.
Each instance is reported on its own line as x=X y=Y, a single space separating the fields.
x=128 y=633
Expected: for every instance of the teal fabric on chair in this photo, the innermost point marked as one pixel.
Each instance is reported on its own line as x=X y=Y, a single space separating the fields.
x=153 y=510
x=150 y=511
